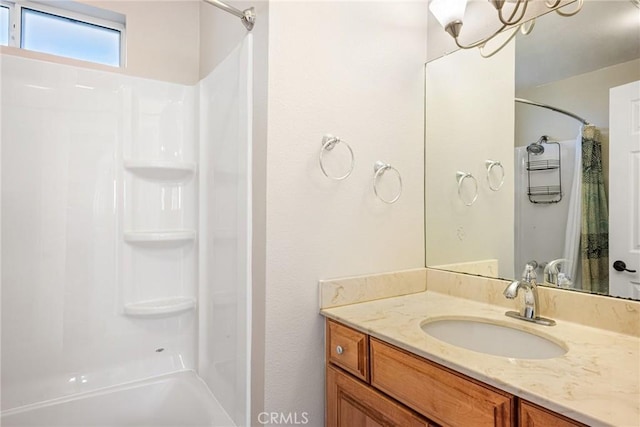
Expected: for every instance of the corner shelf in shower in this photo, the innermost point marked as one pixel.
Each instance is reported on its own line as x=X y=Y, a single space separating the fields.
x=161 y=170
x=160 y=307
x=148 y=237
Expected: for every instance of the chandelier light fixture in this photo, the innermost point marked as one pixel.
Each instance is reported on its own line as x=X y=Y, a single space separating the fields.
x=450 y=14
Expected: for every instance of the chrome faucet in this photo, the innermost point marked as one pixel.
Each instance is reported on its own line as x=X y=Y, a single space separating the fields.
x=529 y=311
x=551 y=271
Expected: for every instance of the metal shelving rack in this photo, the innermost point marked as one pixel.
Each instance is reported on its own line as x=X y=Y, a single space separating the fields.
x=544 y=194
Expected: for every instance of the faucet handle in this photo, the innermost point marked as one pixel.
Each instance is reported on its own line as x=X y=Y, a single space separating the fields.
x=529 y=274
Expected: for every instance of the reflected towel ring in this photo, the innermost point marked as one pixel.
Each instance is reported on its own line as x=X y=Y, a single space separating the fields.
x=328 y=144
x=380 y=168
x=460 y=177
x=490 y=164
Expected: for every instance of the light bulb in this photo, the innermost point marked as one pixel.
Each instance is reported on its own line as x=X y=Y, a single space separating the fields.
x=448 y=11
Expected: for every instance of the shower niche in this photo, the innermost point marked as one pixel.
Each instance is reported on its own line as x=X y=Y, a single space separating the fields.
x=159 y=187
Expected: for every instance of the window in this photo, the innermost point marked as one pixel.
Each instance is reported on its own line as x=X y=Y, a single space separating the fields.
x=4 y=26
x=78 y=31
x=45 y=32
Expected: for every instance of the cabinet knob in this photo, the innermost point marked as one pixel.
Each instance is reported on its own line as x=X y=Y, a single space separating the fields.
x=339 y=349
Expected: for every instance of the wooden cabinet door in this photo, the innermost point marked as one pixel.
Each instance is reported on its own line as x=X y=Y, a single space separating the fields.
x=535 y=416
x=351 y=403
x=444 y=396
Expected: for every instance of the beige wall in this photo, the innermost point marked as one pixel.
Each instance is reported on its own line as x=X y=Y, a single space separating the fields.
x=162 y=40
x=470 y=118
x=586 y=95
x=355 y=70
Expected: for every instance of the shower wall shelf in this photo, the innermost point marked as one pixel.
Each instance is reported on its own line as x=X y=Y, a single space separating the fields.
x=161 y=170
x=159 y=236
x=160 y=307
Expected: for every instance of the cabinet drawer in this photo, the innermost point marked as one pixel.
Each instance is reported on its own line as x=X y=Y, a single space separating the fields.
x=438 y=393
x=348 y=349
x=351 y=403
x=535 y=416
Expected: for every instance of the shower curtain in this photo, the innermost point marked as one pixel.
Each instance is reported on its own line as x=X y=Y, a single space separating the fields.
x=594 y=238
x=573 y=230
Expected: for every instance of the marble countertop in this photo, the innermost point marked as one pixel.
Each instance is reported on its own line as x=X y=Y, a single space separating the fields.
x=596 y=382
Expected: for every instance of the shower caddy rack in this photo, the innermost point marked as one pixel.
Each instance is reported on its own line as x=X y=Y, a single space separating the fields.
x=544 y=194
x=540 y=191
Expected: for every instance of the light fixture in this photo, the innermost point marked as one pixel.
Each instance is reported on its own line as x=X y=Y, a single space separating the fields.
x=450 y=14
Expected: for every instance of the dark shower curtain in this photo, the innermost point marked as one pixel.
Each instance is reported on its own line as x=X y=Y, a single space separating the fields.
x=594 y=238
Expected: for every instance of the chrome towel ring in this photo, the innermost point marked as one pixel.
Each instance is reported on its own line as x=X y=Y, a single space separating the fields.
x=460 y=177
x=490 y=164
x=380 y=168
x=328 y=143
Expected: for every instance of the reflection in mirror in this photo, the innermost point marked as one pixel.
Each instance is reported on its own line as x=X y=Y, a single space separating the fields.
x=557 y=207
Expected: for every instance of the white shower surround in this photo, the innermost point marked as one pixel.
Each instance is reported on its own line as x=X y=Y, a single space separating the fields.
x=177 y=399
x=225 y=230
x=68 y=205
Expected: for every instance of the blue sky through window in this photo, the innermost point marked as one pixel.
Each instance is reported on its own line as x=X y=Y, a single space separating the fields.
x=61 y=36
x=4 y=26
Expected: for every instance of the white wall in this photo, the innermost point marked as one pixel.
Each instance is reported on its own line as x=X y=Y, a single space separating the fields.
x=355 y=70
x=470 y=115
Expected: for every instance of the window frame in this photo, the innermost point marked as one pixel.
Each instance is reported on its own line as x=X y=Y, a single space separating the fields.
x=15 y=24
x=10 y=6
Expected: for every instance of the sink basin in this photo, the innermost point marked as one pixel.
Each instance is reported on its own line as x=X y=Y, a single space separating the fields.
x=490 y=338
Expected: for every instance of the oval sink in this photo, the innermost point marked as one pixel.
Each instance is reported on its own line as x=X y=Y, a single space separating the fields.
x=490 y=338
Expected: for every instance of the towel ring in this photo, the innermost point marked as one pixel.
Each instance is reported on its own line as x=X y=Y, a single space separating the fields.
x=328 y=144
x=380 y=168
x=490 y=164
x=460 y=177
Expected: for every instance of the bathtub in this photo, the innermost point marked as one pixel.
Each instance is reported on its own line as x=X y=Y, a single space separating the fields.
x=174 y=400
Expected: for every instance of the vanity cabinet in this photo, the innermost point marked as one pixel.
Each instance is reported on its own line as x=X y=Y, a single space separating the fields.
x=534 y=416
x=437 y=392
x=352 y=403
x=348 y=349
x=371 y=383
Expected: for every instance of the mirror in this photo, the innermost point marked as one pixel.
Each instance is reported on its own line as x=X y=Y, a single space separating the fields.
x=472 y=122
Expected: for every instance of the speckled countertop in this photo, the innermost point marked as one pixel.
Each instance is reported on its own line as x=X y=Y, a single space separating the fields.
x=596 y=382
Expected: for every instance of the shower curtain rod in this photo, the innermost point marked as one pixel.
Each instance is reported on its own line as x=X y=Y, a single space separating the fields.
x=559 y=110
x=247 y=16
